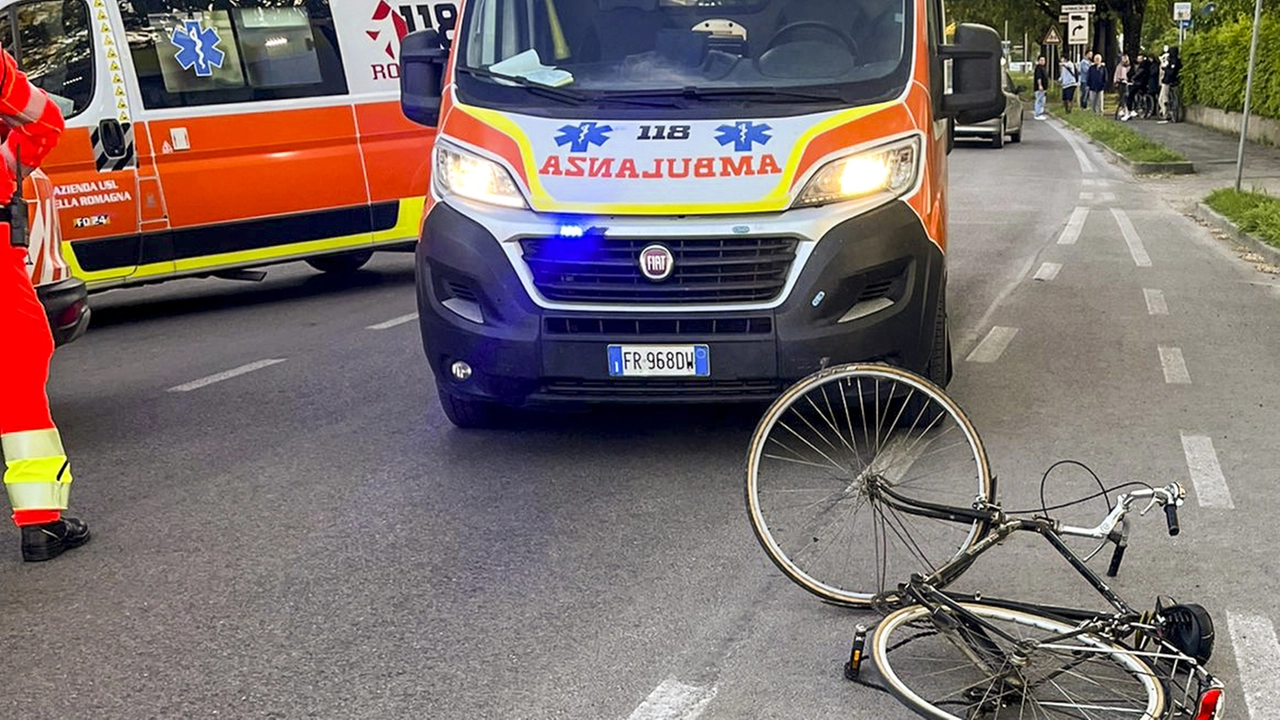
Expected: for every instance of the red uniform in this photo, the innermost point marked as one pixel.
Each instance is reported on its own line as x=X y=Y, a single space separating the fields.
x=37 y=475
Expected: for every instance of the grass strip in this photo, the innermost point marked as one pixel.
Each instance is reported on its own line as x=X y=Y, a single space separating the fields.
x=1256 y=213
x=1115 y=135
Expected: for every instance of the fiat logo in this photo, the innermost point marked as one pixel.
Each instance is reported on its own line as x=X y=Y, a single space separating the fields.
x=657 y=262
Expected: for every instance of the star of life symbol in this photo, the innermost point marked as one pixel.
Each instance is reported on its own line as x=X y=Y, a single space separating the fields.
x=197 y=48
x=582 y=136
x=744 y=135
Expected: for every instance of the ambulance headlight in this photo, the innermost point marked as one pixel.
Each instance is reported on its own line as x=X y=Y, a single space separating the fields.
x=470 y=176
x=885 y=173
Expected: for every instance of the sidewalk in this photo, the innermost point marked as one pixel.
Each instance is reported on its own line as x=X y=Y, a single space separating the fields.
x=1214 y=155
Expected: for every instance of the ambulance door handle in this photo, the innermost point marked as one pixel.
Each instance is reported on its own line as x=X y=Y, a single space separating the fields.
x=112 y=138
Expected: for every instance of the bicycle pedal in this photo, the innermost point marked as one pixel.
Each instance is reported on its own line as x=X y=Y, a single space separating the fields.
x=852 y=667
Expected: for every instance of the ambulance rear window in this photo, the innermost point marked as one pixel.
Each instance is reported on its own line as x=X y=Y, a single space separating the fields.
x=193 y=52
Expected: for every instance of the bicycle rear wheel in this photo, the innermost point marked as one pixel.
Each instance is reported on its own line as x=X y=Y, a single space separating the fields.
x=959 y=668
x=819 y=463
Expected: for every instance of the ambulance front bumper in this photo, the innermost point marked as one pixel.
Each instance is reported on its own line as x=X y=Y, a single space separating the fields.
x=869 y=288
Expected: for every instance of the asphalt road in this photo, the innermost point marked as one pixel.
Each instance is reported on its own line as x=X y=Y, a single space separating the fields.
x=312 y=539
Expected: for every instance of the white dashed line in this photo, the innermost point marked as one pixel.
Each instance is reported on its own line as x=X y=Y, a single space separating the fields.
x=1108 y=197
x=1257 y=656
x=1156 y=304
x=1071 y=232
x=1206 y=474
x=1175 y=367
x=673 y=700
x=393 y=322
x=233 y=372
x=1086 y=196
x=1136 y=249
x=993 y=345
x=1048 y=271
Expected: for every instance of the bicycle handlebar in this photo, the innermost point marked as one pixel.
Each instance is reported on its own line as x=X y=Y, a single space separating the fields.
x=1171 y=516
x=1169 y=497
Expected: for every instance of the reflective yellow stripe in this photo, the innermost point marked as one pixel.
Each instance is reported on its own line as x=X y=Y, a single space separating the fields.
x=39 y=495
x=32 y=444
x=557 y=33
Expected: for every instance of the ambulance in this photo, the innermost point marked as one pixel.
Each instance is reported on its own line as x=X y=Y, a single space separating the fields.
x=685 y=200
x=205 y=137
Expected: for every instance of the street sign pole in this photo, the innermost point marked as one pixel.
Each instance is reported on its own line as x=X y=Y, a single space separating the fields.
x=1248 y=92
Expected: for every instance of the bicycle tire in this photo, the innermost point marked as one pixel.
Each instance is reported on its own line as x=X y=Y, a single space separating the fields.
x=1115 y=682
x=903 y=432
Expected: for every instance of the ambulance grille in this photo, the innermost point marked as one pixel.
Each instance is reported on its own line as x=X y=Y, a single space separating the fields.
x=707 y=270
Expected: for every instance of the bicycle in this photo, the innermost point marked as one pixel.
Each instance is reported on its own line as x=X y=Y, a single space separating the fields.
x=906 y=460
x=1173 y=108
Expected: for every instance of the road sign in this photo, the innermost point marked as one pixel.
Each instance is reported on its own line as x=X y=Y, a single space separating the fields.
x=1181 y=11
x=1087 y=9
x=1078 y=29
x=1184 y=24
x=1051 y=37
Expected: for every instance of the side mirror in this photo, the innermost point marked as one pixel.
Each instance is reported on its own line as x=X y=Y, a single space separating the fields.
x=975 y=91
x=422 y=62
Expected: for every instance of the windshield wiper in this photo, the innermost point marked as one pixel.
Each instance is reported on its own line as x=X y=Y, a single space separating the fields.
x=694 y=92
x=570 y=97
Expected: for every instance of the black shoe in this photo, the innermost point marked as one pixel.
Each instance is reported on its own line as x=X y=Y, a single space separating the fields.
x=48 y=541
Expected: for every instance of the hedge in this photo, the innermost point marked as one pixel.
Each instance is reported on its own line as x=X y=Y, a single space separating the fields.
x=1214 y=63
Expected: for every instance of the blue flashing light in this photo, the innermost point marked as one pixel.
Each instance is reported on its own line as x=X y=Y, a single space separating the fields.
x=571 y=231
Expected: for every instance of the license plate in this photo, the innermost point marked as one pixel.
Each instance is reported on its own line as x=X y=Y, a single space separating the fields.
x=659 y=361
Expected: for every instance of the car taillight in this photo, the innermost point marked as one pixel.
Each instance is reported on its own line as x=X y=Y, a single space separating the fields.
x=69 y=316
x=1210 y=704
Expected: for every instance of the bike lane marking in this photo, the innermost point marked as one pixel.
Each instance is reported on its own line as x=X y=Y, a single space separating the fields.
x=1174 y=365
x=226 y=375
x=1048 y=271
x=393 y=322
x=993 y=345
x=673 y=700
x=1206 y=473
x=1071 y=232
x=1257 y=655
x=1086 y=165
x=1136 y=248
x=1156 y=304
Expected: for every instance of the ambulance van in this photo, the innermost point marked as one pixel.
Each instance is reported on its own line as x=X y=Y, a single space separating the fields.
x=209 y=136
x=686 y=200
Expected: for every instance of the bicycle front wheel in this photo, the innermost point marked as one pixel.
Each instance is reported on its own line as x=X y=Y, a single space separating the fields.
x=964 y=667
x=820 y=463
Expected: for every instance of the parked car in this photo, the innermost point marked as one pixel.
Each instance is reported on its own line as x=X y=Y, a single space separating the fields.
x=64 y=296
x=1010 y=123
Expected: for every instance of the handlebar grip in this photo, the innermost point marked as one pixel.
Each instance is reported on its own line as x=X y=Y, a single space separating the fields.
x=1171 y=515
x=1116 y=557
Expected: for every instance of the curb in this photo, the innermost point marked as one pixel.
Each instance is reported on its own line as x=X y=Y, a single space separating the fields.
x=1212 y=217
x=1137 y=168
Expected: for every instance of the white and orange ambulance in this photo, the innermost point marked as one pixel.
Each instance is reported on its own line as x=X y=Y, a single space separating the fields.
x=208 y=136
x=686 y=200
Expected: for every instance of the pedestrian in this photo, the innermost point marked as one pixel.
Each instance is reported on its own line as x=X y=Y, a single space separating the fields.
x=1041 y=87
x=1138 y=83
x=1082 y=72
x=1153 y=82
x=1164 y=86
x=37 y=475
x=1169 y=82
x=1097 y=83
x=1122 y=88
x=1069 y=80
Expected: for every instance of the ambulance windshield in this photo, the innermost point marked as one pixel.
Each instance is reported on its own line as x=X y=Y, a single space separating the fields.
x=766 y=51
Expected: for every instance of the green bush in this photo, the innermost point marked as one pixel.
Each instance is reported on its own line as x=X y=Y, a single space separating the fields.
x=1256 y=213
x=1214 y=64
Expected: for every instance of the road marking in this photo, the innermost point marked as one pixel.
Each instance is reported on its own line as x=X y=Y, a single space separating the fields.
x=1086 y=165
x=233 y=372
x=1136 y=249
x=674 y=700
x=1156 y=304
x=1086 y=196
x=1206 y=474
x=993 y=345
x=1257 y=656
x=1175 y=367
x=393 y=322
x=1071 y=232
x=1048 y=271
x=1108 y=197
